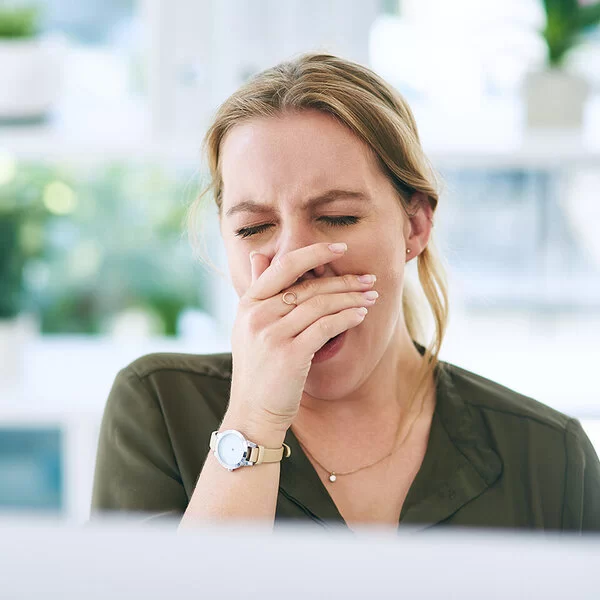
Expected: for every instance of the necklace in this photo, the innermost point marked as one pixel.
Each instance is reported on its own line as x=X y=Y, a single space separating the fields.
x=333 y=475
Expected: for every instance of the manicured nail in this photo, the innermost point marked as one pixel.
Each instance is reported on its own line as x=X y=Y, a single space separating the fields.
x=371 y=295
x=367 y=278
x=339 y=247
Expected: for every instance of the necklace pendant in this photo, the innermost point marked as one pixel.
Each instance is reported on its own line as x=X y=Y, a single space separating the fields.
x=332 y=477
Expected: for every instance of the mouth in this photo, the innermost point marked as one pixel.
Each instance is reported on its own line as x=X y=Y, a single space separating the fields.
x=329 y=341
x=317 y=273
x=301 y=278
x=330 y=348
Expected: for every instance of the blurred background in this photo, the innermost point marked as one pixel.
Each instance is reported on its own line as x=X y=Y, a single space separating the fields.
x=103 y=105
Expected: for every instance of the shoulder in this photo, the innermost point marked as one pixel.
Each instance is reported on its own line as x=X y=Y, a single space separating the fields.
x=186 y=393
x=175 y=386
x=540 y=460
x=218 y=366
x=502 y=402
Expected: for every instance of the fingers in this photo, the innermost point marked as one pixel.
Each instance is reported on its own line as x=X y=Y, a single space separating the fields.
x=314 y=298
x=320 y=332
x=258 y=264
x=331 y=285
x=318 y=307
x=285 y=270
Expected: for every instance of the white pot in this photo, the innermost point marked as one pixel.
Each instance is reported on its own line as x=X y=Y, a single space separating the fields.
x=15 y=334
x=31 y=72
x=555 y=100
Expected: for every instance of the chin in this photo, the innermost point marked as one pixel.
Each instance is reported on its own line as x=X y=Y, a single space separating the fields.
x=328 y=387
x=333 y=377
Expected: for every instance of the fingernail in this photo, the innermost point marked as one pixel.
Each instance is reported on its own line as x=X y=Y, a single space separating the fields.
x=252 y=254
x=338 y=247
x=367 y=278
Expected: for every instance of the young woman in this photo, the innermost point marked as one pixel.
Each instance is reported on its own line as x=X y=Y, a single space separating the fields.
x=329 y=410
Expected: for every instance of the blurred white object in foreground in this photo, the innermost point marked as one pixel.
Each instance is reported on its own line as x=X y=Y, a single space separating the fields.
x=123 y=560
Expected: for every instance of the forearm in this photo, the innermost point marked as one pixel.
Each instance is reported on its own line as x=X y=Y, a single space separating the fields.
x=245 y=494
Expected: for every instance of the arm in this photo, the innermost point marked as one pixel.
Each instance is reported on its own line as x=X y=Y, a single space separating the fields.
x=581 y=508
x=136 y=470
x=248 y=493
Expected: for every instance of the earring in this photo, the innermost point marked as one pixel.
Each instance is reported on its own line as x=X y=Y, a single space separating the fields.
x=408 y=251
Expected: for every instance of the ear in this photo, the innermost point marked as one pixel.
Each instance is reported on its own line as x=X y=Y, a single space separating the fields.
x=419 y=225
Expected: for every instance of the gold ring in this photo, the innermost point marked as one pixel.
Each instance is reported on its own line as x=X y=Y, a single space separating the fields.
x=293 y=301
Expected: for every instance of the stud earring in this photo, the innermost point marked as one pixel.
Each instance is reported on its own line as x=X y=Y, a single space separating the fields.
x=408 y=251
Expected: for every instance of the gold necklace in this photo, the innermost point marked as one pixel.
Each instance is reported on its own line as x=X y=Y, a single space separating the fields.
x=333 y=475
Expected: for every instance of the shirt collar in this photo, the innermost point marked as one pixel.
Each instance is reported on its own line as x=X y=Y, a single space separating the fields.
x=459 y=465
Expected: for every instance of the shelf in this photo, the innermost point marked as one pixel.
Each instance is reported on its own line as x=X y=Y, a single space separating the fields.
x=66 y=378
x=495 y=137
x=492 y=140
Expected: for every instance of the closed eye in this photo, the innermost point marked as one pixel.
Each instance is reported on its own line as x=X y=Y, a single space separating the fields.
x=246 y=232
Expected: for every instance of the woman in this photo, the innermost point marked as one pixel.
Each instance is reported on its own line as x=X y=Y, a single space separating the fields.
x=327 y=410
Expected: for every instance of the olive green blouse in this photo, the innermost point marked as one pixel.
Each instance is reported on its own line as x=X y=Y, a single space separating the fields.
x=494 y=458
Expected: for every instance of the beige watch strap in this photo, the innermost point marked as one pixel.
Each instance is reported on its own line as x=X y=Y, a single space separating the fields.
x=260 y=454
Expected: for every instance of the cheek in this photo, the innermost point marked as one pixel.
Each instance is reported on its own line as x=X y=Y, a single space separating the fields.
x=242 y=282
x=389 y=268
x=386 y=251
x=240 y=285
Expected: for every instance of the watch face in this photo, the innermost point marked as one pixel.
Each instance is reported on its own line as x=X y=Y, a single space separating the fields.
x=230 y=449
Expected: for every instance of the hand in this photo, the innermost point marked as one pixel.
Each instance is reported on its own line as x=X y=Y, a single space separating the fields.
x=273 y=343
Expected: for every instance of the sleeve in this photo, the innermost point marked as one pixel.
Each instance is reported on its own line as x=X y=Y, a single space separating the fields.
x=581 y=508
x=136 y=470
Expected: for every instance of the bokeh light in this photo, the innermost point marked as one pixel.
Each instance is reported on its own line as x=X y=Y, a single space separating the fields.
x=59 y=198
x=8 y=168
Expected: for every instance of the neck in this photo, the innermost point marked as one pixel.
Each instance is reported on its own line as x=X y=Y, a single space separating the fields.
x=372 y=411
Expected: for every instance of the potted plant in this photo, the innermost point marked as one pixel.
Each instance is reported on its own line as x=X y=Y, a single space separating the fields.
x=555 y=97
x=30 y=65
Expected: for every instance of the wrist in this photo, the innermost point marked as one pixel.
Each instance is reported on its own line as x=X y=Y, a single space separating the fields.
x=255 y=428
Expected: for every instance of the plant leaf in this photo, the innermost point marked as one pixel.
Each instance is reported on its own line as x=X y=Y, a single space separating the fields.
x=561 y=9
x=589 y=15
x=19 y=22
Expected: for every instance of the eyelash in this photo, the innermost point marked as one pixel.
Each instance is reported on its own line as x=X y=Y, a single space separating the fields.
x=247 y=232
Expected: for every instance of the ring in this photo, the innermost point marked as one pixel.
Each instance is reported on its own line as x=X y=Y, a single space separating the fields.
x=293 y=301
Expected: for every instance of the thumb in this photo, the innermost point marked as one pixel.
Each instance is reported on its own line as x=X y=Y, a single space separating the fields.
x=258 y=264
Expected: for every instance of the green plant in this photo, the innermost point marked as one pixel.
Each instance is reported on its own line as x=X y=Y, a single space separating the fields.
x=11 y=266
x=566 y=20
x=80 y=246
x=19 y=21
x=22 y=214
x=121 y=248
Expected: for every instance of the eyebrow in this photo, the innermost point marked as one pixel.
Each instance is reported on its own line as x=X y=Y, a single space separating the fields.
x=329 y=196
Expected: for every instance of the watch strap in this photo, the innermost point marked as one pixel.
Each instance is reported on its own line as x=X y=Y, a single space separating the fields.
x=260 y=454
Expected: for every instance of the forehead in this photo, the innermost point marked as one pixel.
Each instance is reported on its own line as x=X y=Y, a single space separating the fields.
x=293 y=155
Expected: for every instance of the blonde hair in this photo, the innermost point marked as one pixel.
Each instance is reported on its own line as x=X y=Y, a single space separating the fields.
x=374 y=111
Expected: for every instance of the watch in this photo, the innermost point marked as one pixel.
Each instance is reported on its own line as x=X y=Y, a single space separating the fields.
x=233 y=450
